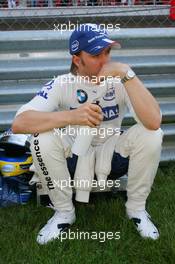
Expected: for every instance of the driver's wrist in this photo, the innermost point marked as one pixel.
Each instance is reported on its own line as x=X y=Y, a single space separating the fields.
x=124 y=71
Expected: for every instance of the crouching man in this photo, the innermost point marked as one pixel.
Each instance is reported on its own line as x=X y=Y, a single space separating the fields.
x=65 y=102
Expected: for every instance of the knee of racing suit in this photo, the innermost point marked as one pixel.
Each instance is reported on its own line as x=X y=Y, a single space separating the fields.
x=46 y=142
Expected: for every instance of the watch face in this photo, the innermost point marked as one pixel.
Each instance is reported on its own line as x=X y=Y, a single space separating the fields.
x=130 y=74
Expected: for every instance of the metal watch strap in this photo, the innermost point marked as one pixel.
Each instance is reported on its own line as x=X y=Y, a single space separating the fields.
x=129 y=76
x=125 y=79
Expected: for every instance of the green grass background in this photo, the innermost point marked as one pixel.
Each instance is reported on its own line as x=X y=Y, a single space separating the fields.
x=19 y=226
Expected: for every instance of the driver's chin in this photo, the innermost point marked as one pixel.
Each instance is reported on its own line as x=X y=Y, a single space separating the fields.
x=95 y=73
x=93 y=76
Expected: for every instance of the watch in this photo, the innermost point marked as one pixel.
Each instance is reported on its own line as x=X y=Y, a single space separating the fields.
x=129 y=76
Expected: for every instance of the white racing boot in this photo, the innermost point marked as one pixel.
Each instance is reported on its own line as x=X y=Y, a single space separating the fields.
x=143 y=223
x=58 y=223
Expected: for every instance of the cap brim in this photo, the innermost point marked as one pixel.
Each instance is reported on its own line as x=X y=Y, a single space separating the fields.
x=102 y=44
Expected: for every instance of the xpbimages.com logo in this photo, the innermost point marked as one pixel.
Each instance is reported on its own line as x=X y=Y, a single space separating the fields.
x=101 y=132
x=102 y=236
x=63 y=27
x=86 y=184
x=94 y=80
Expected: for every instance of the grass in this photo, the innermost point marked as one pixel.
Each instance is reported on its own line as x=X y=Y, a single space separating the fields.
x=19 y=226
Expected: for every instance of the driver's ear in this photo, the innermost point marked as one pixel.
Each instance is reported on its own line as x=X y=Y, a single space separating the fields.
x=76 y=60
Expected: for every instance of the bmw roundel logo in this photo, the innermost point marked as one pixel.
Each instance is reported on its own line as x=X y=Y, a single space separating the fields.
x=81 y=96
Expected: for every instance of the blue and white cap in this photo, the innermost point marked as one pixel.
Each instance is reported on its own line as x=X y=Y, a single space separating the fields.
x=91 y=38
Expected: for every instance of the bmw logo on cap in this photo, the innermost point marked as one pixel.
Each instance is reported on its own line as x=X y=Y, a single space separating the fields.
x=81 y=96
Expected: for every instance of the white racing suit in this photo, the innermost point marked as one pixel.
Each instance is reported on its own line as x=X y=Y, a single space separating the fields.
x=50 y=149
